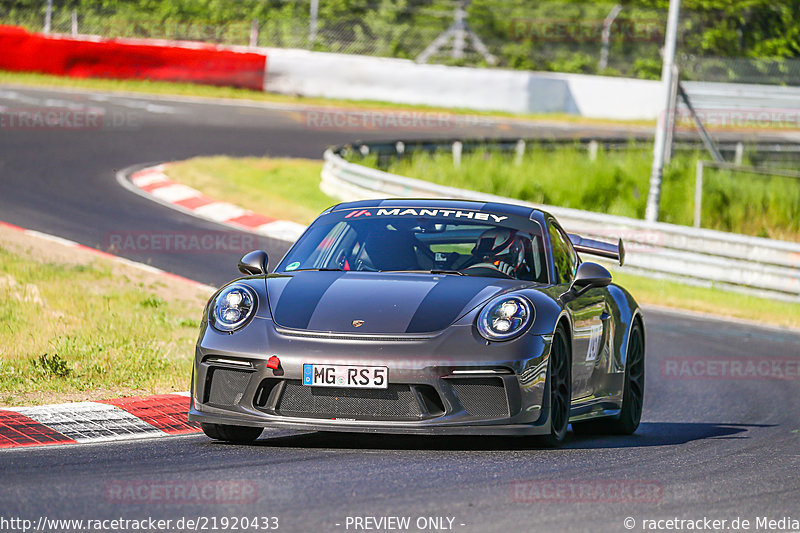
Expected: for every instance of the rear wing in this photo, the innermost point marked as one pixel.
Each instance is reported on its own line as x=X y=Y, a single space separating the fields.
x=599 y=248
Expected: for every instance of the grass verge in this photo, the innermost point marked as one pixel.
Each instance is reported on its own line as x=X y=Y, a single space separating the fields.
x=284 y=188
x=709 y=300
x=74 y=326
x=291 y=187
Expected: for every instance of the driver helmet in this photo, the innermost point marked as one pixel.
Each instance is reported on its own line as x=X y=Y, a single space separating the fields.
x=500 y=245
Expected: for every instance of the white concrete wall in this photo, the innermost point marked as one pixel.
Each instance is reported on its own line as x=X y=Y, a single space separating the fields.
x=393 y=80
x=403 y=81
x=620 y=98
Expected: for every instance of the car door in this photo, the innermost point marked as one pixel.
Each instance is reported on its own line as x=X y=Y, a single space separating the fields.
x=587 y=312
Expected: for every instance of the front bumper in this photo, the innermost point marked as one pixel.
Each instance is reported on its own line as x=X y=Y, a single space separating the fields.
x=449 y=383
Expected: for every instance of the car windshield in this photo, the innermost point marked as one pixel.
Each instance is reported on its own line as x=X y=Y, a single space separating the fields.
x=420 y=244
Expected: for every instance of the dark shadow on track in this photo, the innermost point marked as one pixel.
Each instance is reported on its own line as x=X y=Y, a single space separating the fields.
x=664 y=434
x=649 y=434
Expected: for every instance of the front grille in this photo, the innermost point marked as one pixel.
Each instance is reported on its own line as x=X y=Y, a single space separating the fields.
x=482 y=397
x=397 y=402
x=227 y=386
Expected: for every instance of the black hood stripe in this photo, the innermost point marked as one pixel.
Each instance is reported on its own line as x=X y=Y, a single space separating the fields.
x=300 y=297
x=445 y=303
x=384 y=303
x=385 y=308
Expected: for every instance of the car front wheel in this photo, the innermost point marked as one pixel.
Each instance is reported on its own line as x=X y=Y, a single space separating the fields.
x=560 y=389
x=240 y=434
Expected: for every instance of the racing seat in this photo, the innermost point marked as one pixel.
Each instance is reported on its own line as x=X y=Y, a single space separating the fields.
x=391 y=250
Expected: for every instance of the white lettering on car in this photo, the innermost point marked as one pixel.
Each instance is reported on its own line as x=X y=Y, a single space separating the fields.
x=445 y=213
x=596 y=332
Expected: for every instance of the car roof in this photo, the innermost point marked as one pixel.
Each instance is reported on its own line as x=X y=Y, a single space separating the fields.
x=434 y=203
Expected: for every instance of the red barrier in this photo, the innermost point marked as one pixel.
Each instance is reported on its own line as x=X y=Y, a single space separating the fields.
x=108 y=58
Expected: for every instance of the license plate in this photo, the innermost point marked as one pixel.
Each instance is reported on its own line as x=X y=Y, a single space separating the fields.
x=357 y=377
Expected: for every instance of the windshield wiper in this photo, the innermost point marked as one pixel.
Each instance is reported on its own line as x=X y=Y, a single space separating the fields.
x=318 y=270
x=454 y=272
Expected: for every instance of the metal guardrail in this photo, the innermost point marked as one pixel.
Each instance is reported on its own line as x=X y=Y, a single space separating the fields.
x=735 y=104
x=699 y=256
x=763 y=152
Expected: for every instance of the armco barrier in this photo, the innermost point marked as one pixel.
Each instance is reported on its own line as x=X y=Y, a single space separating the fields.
x=128 y=59
x=751 y=264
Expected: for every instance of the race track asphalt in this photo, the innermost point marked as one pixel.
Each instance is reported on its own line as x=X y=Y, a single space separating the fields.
x=708 y=447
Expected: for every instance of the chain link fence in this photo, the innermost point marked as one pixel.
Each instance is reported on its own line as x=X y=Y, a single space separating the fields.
x=770 y=71
x=591 y=38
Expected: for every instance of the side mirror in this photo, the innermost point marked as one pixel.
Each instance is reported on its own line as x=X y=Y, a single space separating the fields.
x=590 y=275
x=254 y=263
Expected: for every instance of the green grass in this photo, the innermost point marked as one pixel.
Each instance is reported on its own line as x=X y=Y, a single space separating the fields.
x=617 y=183
x=752 y=204
x=261 y=184
x=90 y=330
x=667 y=293
x=287 y=189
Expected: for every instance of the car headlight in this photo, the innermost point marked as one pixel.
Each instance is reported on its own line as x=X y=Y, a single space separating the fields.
x=232 y=307
x=505 y=318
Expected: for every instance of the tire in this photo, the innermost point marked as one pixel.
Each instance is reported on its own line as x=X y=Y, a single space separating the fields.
x=240 y=434
x=627 y=421
x=560 y=374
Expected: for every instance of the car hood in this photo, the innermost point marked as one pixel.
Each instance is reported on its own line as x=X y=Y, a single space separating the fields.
x=377 y=302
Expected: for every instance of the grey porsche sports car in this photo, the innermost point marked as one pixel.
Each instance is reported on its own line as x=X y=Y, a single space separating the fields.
x=423 y=317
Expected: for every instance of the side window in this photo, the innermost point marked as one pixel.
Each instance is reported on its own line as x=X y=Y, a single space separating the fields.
x=565 y=259
x=574 y=260
x=323 y=255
